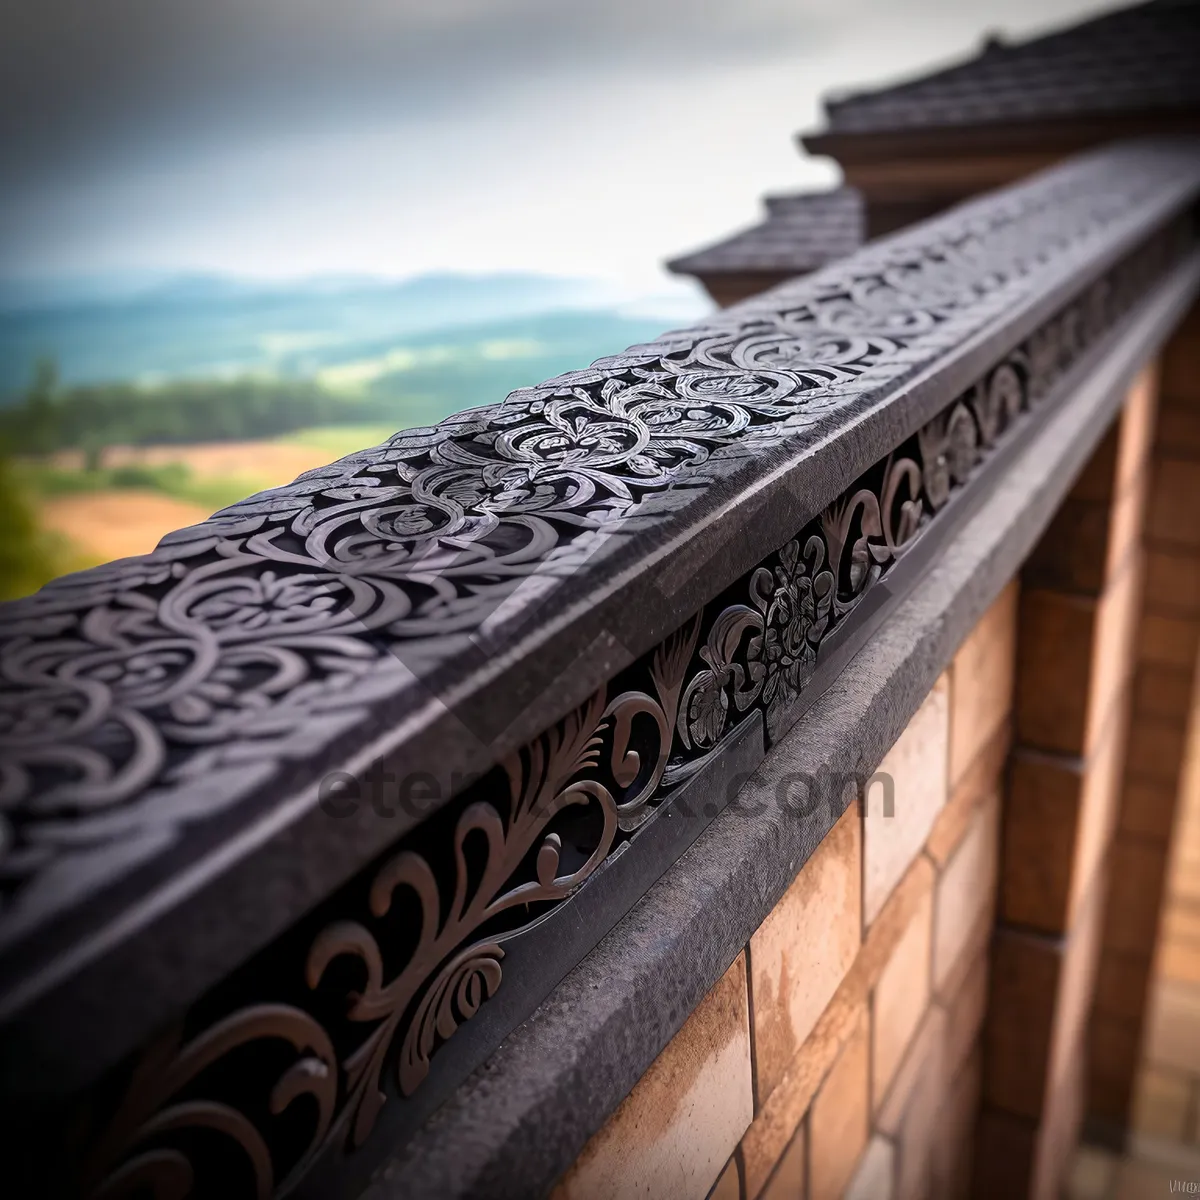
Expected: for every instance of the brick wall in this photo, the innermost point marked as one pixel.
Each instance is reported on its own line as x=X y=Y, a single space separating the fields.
x=1077 y=634
x=1167 y=1090
x=1162 y=801
x=1145 y=1029
x=912 y=1019
x=840 y=1053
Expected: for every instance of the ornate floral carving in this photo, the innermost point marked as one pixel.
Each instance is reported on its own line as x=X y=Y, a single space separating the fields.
x=141 y=697
x=601 y=757
x=158 y=1108
x=146 y=695
x=755 y=647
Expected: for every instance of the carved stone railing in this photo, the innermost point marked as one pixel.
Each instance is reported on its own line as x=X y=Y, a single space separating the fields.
x=303 y=812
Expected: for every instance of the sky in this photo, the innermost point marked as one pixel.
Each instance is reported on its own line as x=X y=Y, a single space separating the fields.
x=288 y=138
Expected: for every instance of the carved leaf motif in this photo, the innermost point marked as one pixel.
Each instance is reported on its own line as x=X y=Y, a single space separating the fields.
x=705 y=702
x=131 y=1158
x=901 y=517
x=242 y=629
x=166 y=672
x=852 y=562
x=997 y=403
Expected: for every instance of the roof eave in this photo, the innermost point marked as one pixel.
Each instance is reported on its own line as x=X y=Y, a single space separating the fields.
x=1047 y=133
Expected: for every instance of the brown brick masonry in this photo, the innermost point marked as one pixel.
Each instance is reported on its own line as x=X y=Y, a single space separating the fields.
x=857 y=1070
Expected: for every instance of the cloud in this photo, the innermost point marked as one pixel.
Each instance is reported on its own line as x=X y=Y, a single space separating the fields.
x=291 y=136
x=90 y=81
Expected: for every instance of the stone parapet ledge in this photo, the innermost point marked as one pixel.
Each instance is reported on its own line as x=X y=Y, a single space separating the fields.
x=340 y=783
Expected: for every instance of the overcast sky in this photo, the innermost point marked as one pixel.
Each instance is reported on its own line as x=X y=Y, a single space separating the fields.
x=292 y=137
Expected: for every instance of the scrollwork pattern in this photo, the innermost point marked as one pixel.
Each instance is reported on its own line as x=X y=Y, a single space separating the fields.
x=594 y=758
x=756 y=647
x=157 y=1109
x=140 y=697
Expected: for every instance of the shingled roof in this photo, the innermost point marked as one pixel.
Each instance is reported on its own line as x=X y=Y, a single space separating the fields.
x=1139 y=60
x=1124 y=74
x=803 y=231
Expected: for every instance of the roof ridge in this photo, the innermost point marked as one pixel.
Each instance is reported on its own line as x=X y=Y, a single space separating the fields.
x=1082 y=69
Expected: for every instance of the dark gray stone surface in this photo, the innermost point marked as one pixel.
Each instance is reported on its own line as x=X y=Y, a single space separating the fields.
x=181 y=710
x=520 y=584
x=523 y=1117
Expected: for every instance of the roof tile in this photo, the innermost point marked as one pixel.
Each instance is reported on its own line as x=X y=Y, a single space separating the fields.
x=803 y=231
x=1139 y=59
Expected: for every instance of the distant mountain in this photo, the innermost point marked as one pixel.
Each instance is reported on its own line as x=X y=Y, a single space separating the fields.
x=21 y=295
x=121 y=288
x=439 y=373
x=154 y=328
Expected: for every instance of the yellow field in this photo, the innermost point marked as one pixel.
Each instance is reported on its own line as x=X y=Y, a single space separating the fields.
x=117 y=523
x=272 y=462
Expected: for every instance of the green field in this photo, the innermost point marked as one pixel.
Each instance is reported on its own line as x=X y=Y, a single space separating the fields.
x=199 y=400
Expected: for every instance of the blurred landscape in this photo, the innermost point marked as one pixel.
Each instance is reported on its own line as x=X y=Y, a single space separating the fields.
x=133 y=405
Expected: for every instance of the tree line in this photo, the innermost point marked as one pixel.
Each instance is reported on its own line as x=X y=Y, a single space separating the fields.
x=50 y=417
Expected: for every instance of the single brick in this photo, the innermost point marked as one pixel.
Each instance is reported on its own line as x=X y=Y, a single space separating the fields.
x=874 y=1178
x=674 y=1133
x=916 y=765
x=966 y=890
x=1173 y=1031
x=1162 y=1102
x=789 y=1181
x=802 y=951
x=839 y=1124
x=900 y=1000
x=981 y=682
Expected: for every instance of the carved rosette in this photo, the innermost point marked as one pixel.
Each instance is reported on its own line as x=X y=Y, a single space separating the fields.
x=754 y=648
x=140 y=696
